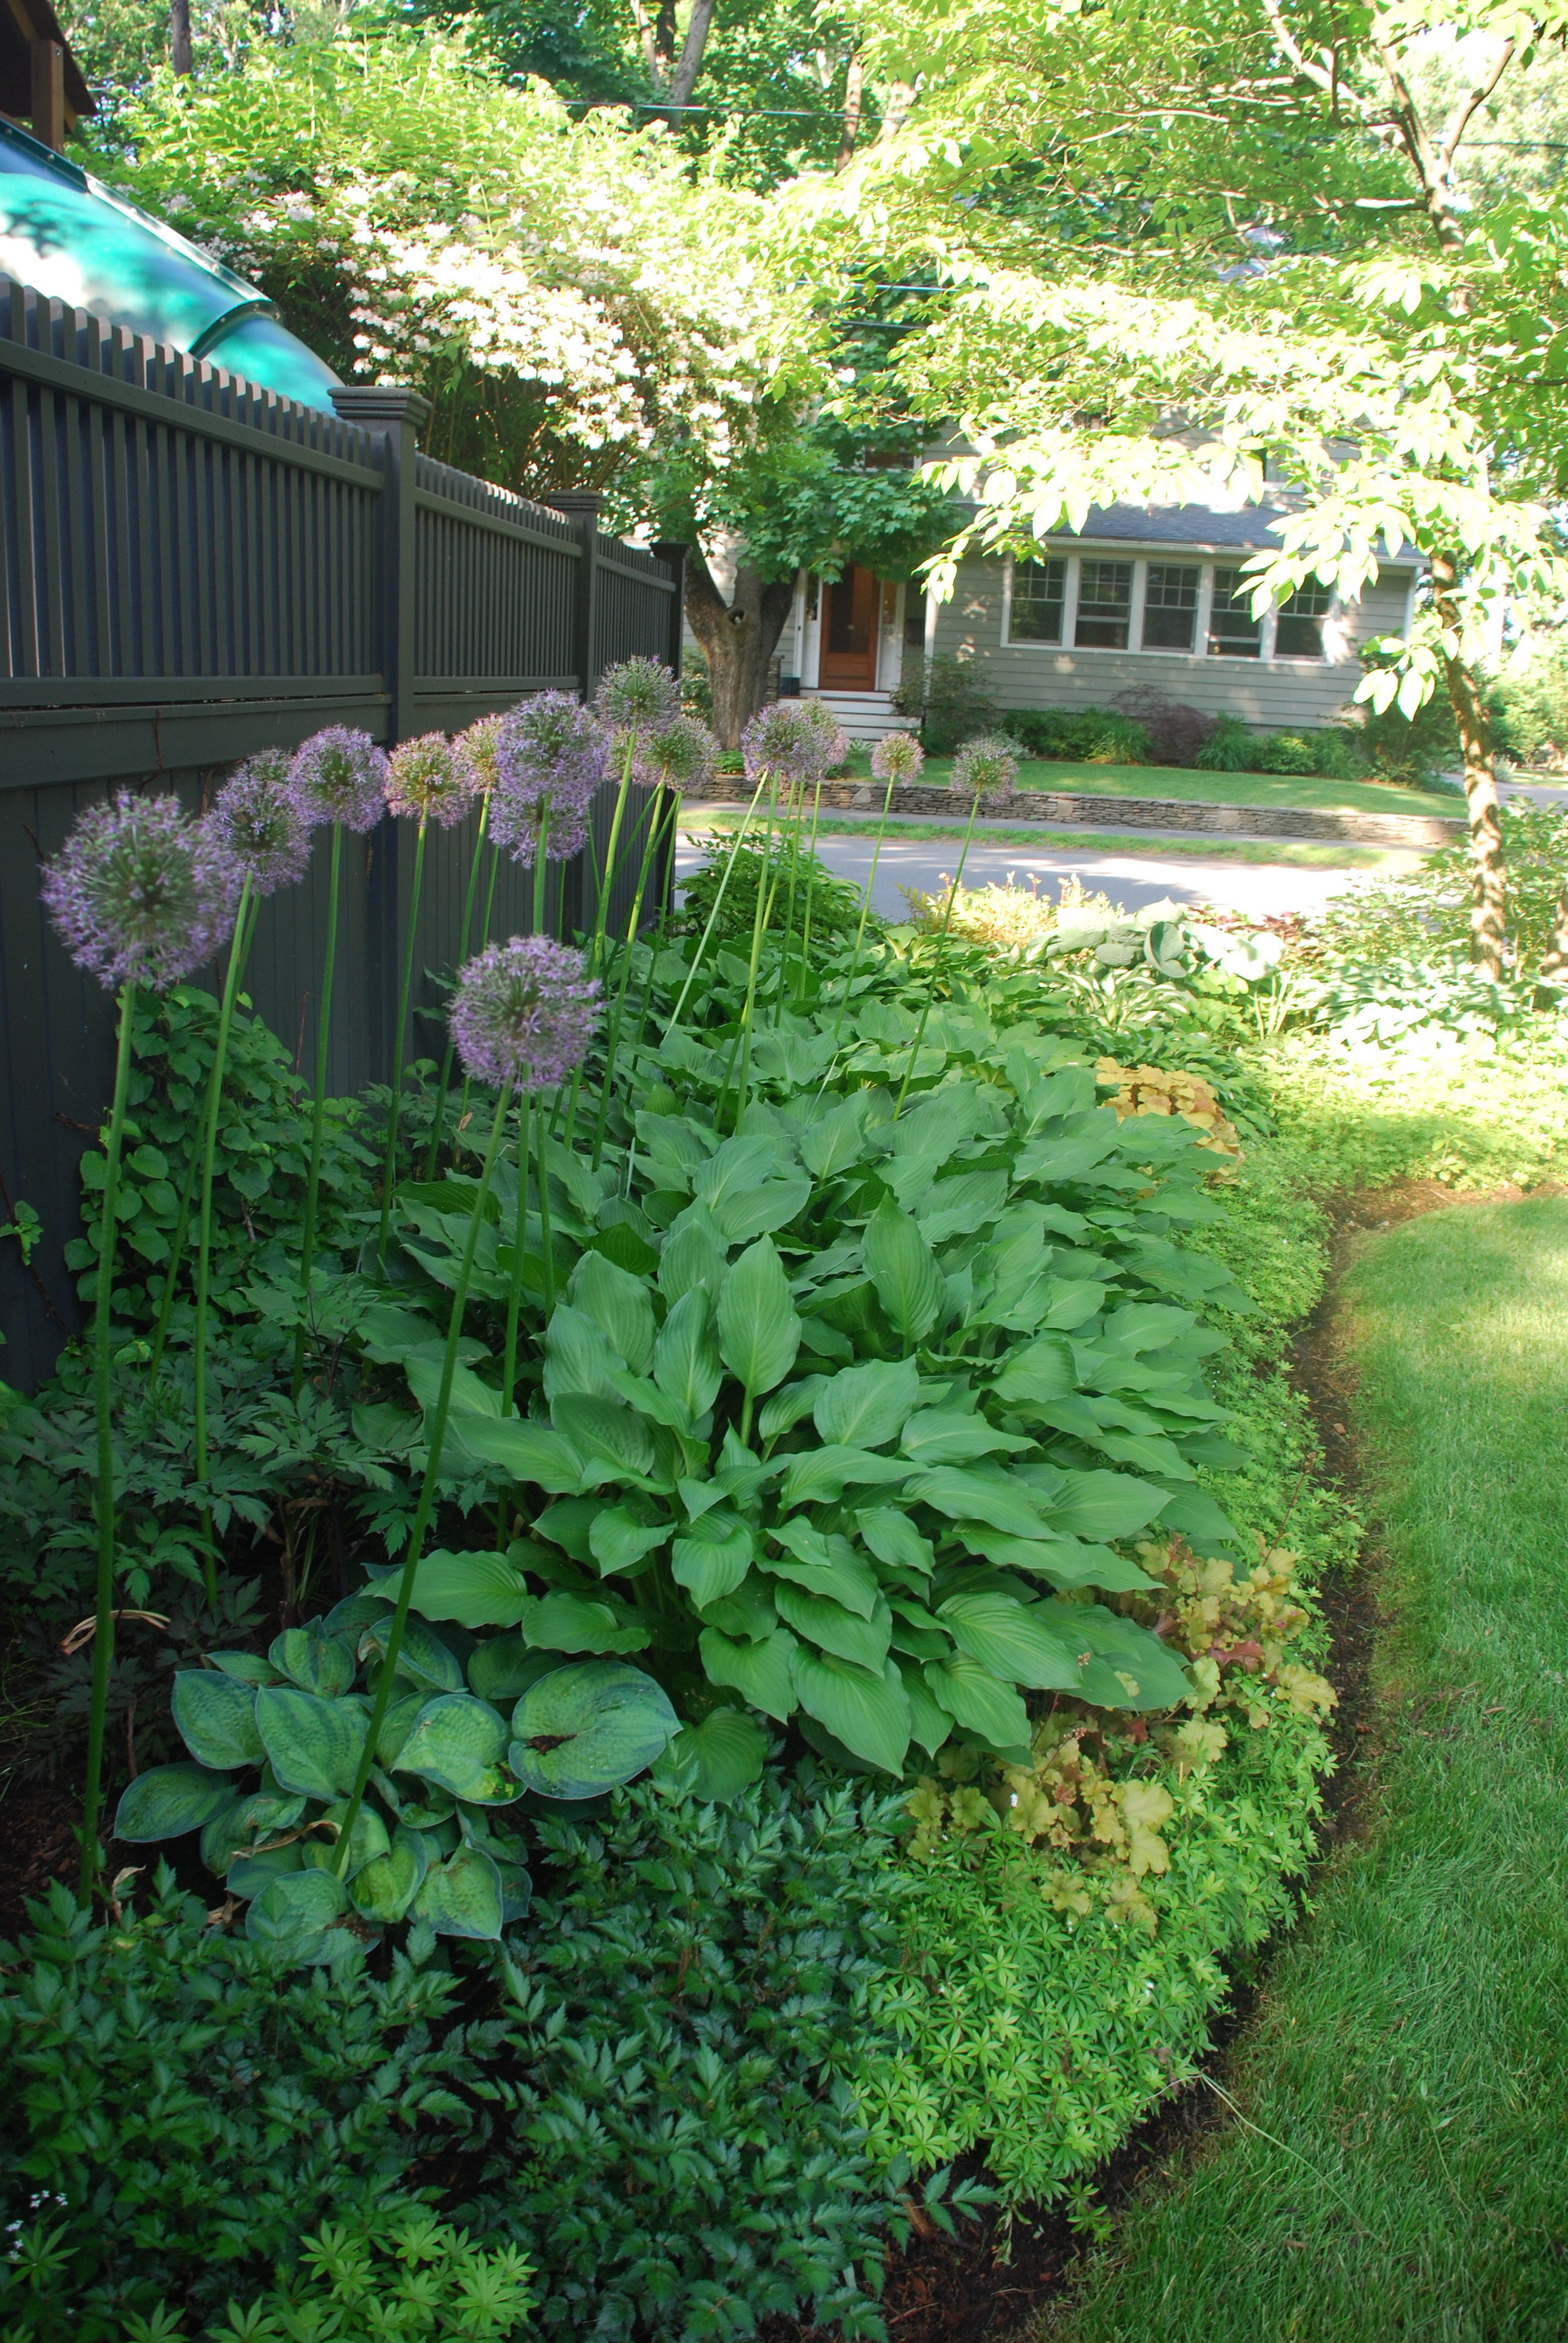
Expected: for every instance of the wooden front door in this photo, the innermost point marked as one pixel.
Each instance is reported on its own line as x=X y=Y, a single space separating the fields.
x=849 y=661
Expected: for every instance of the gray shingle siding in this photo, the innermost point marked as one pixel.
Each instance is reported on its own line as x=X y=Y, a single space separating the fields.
x=1279 y=694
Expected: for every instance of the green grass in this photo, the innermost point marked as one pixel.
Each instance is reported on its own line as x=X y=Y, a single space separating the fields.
x=1398 y=2169
x=1046 y=840
x=1227 y=789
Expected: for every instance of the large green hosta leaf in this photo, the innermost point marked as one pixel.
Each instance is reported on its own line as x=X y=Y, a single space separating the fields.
x=716 y=1759
x=831 y=1628
x=618 y=1304
x=387 y=1885
x=868 y=1714
x=1017 y=1642
x=582 y=1729
x=459 y=1743
x=169 y=1800
x=217 y=1718
x=903 y=1269
x=759 y=1326
x=759 y=1672
x=461 y=1896
x=865 y=1407
x=313 y=1745
x=972 y=1696
x=713 y=1557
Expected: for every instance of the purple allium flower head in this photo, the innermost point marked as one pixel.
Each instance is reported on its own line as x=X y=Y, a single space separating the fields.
x=793 y=740
x=681 y=757
x=425 y=782
x=474 y=752
x=340 y=776
x=551 y=755
x=639 y=697
x=986 y=766
x=524 y=1014
x=139 y=894
x=897 y=757
x=256 y=819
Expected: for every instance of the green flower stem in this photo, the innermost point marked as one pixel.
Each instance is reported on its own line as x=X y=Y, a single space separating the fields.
x=448 y=1055
x=937 y=961
x=613 y=1045
x=672 y=829
x=104 y=1608
x=798 y=810
x=718 y=901
x=318 y=1106
x=866 y=903
x=483 y=939
x=519 y=1236
x=204 y=1236
x=394 y=1106
x=545 y=1242
x=811 y=889
x=244 y=936
x=604 y=882
x=759 y=926
x=436 y=1434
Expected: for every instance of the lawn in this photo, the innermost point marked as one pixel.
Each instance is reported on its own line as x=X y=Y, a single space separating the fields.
x=1042 y=837
x=1398 y=2165
x=1302 y=791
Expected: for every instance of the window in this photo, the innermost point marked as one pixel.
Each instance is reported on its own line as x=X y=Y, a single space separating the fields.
x=1038 y=590
x=1233 y=632
x=1104 y=606
x=1169 y=608
x=1301 y=623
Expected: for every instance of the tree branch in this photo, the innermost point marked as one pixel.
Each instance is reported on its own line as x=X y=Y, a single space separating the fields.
x=854 y=84
x=1465 y=110
x=643 y=24
x=683 y=80
x=1428 y=164
x=1323 y=77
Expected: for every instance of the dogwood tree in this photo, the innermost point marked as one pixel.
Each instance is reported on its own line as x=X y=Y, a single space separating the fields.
x=1270 y=277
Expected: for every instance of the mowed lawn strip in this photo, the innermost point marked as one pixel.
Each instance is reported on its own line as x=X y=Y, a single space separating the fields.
x=1204 y=846
x=1409 y=2062
x=1225 y=788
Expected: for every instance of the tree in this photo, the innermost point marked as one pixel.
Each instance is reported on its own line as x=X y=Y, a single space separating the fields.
x=1273 y=279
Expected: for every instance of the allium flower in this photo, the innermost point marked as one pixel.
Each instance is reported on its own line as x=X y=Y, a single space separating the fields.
x=794 y=741
x=340 y=776
x=139 y=894
x=639 y=697
x=475 y=753
x=255 y=820
x=897 y=757
x=986 y=766
x=424 y=780
x=551 y=755
x=524 y=1014
x=681 y=757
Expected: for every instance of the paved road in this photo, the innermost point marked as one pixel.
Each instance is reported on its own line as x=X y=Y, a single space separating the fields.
x=1131 y=879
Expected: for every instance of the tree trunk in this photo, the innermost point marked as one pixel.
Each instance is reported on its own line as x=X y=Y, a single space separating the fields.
x=180 y=35
x=1488 y=882
x=738 y=638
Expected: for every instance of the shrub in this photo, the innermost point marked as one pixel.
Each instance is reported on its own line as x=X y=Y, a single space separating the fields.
x=1233 y=747
x=835 y=902
x=674 y=2144
x=399 y=2276
x=1081 y=736
x=184 y=2108
x=1176 y=731
x=952 y=699
x=1424 y=915
x=1530 y=703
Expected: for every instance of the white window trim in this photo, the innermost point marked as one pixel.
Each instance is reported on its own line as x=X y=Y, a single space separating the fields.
x=1200 y=655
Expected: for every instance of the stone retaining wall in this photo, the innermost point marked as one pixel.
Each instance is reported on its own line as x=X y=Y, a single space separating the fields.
x=1069 y=809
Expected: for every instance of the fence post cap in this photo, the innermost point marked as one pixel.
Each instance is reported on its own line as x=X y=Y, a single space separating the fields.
x=574 y=500
x=370 y=404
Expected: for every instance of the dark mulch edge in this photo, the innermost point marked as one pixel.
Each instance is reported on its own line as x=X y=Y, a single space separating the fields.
x=990 y=2283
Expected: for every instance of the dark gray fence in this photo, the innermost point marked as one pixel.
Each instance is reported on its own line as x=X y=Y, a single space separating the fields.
x=192 y=569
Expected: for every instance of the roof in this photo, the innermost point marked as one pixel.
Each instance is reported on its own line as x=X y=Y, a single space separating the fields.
x=1249 y=529
x=22 y=21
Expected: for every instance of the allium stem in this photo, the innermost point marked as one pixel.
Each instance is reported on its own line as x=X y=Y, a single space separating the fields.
x=811 y=889
x=613 y=1044
x=798 y=797
x=319 y=1105
x=759 y=925
x=605 y=879
x=540 y=868
x=435 y=1435
x=519 y=1235
x=866 y=904
x=718 y=901
x=938 y=959
x=445 y=1083
x=395 y=1107
x=204 y=1235
x=104 y=1608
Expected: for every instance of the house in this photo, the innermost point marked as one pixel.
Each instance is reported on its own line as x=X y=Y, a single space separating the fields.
x=1141 y=597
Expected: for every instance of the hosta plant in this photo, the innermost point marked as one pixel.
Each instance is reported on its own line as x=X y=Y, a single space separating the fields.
x=276 y=1746
x=840 y=1416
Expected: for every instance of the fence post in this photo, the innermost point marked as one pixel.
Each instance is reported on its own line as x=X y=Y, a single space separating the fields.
x=394 y=417
x=673 y=555
x=583 y=507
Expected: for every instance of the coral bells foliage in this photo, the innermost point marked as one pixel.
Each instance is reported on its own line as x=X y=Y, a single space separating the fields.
x=340 y=776
x=986 y=766
x=897 y=757
x=793 y=741
x=427 y=782
x=524 y=1014
x=258 y=823
x=551 y=755
x=140 y=895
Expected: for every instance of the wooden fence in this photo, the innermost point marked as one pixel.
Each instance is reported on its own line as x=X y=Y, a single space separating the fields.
x=192 y=569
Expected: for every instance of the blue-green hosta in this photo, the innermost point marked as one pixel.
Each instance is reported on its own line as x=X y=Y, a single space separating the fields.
x=840 y=1417
x=275 y=1744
